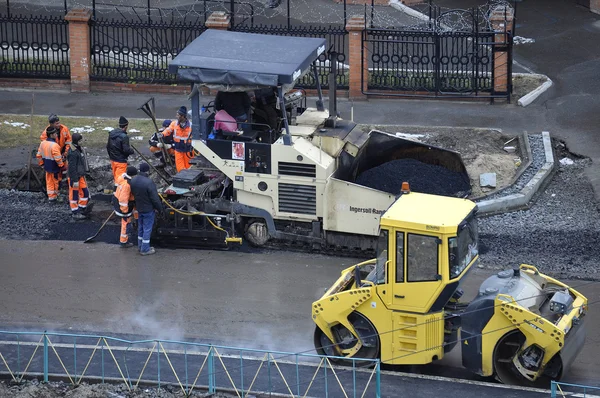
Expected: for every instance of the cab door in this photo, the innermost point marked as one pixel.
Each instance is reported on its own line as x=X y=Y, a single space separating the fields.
x=418 y=277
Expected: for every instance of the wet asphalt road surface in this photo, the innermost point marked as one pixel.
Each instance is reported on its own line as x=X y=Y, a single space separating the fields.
x=221 y=297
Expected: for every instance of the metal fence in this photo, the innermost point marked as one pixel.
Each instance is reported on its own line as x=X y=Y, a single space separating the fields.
x=183 y=365
x=575 y=390
x=445 y=56
x=138 y=51
x=34 y=46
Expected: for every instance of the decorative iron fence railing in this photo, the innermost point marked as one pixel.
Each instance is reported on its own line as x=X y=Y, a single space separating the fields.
x=138 y=51
x=337 y=42
x=183 y=365
x=451 y=53
x=34 y=46
x=430 y=63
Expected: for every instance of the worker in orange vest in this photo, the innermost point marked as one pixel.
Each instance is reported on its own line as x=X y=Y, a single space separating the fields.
x=180 y=131
x=51 y=159
x=123 y=203
x=119 y=149
x=63 y=140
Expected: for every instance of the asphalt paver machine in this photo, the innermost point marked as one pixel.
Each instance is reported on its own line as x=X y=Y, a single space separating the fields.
x=295 y=183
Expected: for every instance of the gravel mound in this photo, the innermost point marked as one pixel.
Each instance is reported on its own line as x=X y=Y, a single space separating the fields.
x=536 y=144
x=558 y=234
x=34 y=388
x=422 y=177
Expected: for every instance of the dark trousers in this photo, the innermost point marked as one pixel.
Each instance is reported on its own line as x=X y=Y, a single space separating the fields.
x=145 y=223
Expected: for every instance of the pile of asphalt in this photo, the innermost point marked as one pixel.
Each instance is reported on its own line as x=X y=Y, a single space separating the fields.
x=29 y=215
x=422 y=177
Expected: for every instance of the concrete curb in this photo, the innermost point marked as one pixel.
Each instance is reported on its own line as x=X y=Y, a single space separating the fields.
x=532 y=95
x=520 y=200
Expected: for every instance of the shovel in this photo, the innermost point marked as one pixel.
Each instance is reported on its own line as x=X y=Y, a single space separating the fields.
x=91 y=238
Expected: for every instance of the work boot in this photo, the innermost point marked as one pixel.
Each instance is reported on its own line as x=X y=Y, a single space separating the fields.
x=78 y=216
x=125 y=245
x=88 y=209
x=52 y=201
x=149 y=252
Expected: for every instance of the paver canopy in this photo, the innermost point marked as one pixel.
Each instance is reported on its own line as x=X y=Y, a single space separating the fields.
x=246 y=59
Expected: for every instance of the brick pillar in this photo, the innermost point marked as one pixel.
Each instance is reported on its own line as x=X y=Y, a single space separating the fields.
x=501 y=18
x=357 y=58
x=595 y=6
x=219 y=20
x=79 y=49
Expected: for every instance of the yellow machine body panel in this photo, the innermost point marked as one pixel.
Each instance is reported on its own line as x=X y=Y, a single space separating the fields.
x=427 y=213
x=513 y=314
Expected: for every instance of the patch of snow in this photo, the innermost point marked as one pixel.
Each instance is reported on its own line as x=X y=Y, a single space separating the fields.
x=137 y=138
x=522 y=40
x=414 y=137
x=17 y=124
x=566 y=162
x=107 y=129
x=133 y=131
x=86 y=129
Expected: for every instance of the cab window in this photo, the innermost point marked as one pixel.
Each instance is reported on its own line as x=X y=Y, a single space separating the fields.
x=463 y=248
x=382 y=257
x=399 y=256
x=422 y=258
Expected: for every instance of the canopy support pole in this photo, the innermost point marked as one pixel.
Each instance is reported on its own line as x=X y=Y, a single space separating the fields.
x=195 y=97
x=287 y=137
x=320 y=106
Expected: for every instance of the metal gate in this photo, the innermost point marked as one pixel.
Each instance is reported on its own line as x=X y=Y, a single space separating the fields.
x=436 y=61
x=139 y=51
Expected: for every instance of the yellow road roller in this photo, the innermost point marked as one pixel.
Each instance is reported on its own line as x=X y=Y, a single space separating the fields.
x=405 y=307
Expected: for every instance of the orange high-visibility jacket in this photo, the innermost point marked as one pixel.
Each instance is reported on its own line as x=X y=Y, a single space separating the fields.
x=182 y=136
x=64 y=140
x=123 y=199
x=49 y=156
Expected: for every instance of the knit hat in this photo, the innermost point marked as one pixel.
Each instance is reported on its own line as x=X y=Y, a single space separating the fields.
x=123 y=122
x=51 y=130
x=131 y=171
x=53 y=118
x=182 y=110
x=76 y=138
x=166 y=123
x=144 y=167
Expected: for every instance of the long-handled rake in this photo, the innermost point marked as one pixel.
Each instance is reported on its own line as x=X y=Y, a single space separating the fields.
x=91 y=238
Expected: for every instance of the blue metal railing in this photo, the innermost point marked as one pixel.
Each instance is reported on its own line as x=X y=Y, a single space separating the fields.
x=186 y=365
x=556 y=388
